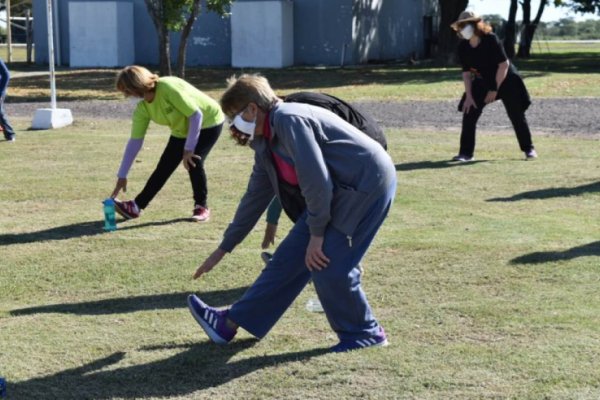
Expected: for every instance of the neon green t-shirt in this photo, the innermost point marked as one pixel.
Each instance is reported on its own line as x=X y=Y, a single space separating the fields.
x=175 y=100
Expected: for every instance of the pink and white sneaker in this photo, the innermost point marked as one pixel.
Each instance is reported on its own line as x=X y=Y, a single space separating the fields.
x=127 y=209
x=201 y=214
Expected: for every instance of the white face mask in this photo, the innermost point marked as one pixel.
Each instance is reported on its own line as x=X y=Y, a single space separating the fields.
x=467 y=32
x=243 y=126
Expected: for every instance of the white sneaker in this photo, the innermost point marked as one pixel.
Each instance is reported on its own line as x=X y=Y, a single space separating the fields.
x=531 y=155
x=462 y=158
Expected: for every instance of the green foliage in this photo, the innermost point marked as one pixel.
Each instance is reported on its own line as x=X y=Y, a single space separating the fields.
x=221 y=7
x=582 y=6
x=565 y=28
x=176 y=12
x=568 y=28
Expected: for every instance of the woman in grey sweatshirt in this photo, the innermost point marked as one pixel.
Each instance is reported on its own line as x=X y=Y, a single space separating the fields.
x=347 y=181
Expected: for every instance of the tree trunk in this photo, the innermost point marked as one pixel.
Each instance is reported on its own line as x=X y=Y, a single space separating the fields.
x=156 y=11
x=164 y=49
x=510 y=30
x=447 y=39
x=185 y=34
x=529 y=27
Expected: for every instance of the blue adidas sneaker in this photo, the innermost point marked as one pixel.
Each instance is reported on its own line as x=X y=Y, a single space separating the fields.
x=213 y=321
x=378 y=340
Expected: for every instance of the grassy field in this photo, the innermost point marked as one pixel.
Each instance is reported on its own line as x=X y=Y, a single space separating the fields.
x=555 y=70
x=485 y=277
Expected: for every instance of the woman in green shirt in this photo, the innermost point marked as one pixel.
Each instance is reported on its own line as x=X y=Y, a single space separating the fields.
x=195 y=121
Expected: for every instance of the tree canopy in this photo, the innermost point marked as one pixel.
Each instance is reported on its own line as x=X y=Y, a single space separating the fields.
x=178 y=16
x=582 y=6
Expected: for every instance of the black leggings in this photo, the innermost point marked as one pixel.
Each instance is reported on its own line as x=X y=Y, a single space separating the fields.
x=515 y=108
x=171 y=158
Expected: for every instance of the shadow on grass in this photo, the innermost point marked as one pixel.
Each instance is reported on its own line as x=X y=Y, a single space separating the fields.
x=88 y=84
x=90 y=228
x=99 y=84
x=552 y=192
x=573 y=62
x=130 y=304
x=196 y=367
x=434 y=165
x=590 y=249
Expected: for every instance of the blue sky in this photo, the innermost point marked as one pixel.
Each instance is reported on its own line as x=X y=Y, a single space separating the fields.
x=500 y=7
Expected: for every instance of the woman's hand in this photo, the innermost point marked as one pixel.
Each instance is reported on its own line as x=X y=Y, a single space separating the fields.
x=209 y=263
x=469 y=102
x=269 y=237
x=121 y=184
x=490 y=97
x=315 y=259
x=188 y=159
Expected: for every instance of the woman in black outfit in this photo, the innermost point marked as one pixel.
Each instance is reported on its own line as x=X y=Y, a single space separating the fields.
x=488 y=75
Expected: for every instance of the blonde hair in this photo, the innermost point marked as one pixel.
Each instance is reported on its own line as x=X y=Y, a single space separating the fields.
x=135 y=80
x=246 y=89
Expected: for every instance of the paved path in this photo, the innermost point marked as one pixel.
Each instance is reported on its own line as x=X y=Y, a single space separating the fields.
x=569 y=116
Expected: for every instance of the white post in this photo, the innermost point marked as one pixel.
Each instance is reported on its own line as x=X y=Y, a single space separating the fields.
x=51 y=54
x=50 y=118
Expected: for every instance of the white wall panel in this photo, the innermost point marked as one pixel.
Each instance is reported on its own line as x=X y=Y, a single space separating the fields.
x=101 y=34
x=262 y=34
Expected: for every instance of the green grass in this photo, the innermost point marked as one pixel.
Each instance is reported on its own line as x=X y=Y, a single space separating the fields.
x=557 y=70
x=549 y=46
x=485 y=277
x=19 y=54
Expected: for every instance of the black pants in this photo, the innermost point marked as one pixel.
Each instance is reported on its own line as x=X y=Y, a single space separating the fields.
x=171 y=158
x=511 y=94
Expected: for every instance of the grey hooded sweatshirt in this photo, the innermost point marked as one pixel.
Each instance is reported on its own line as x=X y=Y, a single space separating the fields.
x=341 y=171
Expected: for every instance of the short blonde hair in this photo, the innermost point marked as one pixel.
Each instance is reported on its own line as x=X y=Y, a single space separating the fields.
x=246 y=89
x=135 y=80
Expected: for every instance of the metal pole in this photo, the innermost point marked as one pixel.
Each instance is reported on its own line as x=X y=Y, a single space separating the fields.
x=28 y=35
x=51 y=54
x=8 y=33
x=56 y=7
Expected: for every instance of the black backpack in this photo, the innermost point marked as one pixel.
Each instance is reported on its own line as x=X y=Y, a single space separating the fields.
x=291 y=198
x=364 y=122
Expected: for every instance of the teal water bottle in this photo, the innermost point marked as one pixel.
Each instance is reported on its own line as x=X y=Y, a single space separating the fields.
x=110 y=222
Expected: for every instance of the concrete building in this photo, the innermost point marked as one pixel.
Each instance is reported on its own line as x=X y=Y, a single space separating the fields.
x=288 y=32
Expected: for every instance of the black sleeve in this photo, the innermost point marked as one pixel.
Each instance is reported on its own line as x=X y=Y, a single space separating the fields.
x=497 y=53
x=462 y=59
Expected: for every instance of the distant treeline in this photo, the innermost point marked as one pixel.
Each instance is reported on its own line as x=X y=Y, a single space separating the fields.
x=565 y=28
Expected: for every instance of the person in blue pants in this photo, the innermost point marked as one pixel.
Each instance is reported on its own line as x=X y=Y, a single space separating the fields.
x=348 y=182
x=9 y=133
